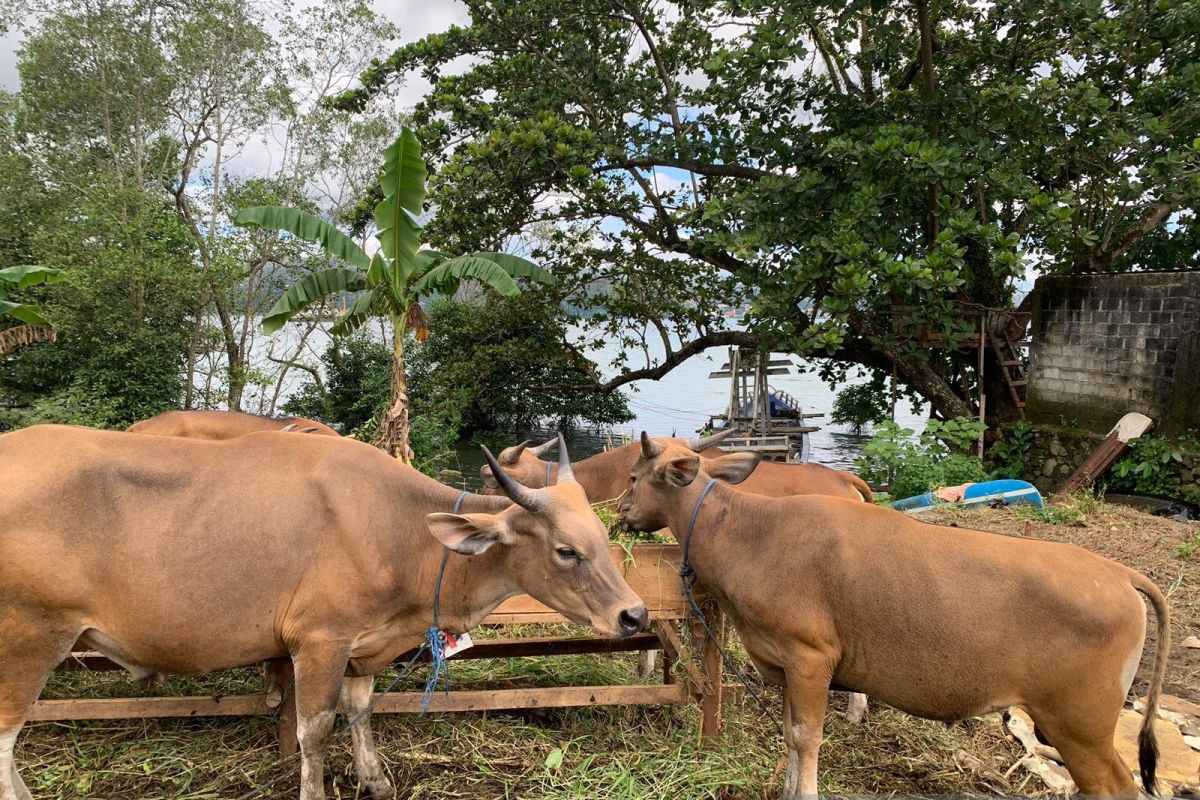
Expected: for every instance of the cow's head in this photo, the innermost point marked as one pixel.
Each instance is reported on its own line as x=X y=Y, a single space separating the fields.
x=663 y=471
x=555 y=549
x=526 y=461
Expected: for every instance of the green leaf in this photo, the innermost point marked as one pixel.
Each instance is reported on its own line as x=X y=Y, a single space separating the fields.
x=308 y=290
x=357 y=314
x=554 y=759
x=520 y=267
x=427 y=260
x=403 y=184
x=23 y=311
x=449 y=273
x=308 y=227
x=25 y=275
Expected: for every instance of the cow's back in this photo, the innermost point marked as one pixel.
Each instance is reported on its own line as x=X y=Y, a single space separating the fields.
x=217 y=425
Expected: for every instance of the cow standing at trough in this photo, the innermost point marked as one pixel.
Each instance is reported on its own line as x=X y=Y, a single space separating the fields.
x=224 y=425
x=181 y=556
x=605 y=476
x=938 y=622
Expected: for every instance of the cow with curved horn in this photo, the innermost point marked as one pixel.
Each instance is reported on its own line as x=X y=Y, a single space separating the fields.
x=941 y=623
x=151 y=550
x=606 y=477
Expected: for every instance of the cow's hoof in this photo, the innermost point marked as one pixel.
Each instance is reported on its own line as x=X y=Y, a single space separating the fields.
x=856 y=708
x=380 y=789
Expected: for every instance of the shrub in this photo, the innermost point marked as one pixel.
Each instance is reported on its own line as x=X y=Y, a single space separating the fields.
x=861 y=405
x=1008 y=454
x=911 y=466
x=1150 y=467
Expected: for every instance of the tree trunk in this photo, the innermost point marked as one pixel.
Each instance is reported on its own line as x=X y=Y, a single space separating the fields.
x=392 y=434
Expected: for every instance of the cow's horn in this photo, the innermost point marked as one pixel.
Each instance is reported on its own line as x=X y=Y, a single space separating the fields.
x=565 y=473
x=545 y=447
x=287 y=428
x=511 y=455
x=650 y=448
x=703 y=443
x=526 y=498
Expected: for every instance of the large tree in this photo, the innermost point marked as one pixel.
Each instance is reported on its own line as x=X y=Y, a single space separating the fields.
x=858 y=171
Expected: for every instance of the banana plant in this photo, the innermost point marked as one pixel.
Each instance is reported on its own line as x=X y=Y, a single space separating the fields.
x=34 y=327
x=392 y=281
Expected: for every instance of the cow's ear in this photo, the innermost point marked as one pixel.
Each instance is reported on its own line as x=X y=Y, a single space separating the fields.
x=679 y=471
x=732 y=468
x=469 y=534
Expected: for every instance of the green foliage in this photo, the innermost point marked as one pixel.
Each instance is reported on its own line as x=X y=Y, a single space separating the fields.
x=795 y=160
x=862 y=405
x=1008 y=454
x=938 y=457
x=396 y=277
x=492 y=365
x=1150 y=467
x=357 y=370
x=23 y=277
x=122 y=308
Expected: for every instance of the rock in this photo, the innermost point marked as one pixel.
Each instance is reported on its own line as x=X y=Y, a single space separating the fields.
x=1192 y=642
x=1049 y=467
x=1056 y=448
x=1177 y=762
x=1056 y=778
x=1192 y=742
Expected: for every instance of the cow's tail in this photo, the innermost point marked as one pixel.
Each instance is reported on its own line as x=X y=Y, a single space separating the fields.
x=1147 y=746
x=861 y=487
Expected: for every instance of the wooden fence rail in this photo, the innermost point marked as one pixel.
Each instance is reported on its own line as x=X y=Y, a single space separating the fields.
x=652 y=570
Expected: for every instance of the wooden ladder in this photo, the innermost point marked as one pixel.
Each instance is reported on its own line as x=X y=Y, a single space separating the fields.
x=1012 y=361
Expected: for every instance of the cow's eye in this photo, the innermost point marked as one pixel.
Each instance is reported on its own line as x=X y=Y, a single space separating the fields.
x=568 y=553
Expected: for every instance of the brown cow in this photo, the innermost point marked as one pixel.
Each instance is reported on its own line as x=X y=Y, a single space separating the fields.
x=606 y=475
x=942 y=623
x=152 y=550
x=223 y=424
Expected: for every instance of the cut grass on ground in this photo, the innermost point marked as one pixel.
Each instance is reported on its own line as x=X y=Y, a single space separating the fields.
x=635 y=752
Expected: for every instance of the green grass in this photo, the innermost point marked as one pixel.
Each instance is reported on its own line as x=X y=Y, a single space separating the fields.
x=622 y=752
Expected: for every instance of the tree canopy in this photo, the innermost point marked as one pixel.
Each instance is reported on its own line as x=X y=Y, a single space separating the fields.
x=838 y=166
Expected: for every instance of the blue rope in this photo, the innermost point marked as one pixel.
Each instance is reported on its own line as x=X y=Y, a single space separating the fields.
x=434 y=640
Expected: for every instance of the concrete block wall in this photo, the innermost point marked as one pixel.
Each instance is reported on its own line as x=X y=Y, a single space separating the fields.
x=1104 y=345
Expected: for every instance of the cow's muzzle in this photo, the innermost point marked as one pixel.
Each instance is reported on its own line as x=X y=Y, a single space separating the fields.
x=633 y=620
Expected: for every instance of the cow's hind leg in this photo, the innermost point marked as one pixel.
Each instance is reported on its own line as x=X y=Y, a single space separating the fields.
x=26 y=661
x=356 y=703
x=1086 y=747
x=320 y=668
x=804 y=701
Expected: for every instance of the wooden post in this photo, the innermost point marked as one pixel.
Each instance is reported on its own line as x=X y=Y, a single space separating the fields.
x=289 y=742
x=983 y=324
x=713 y=670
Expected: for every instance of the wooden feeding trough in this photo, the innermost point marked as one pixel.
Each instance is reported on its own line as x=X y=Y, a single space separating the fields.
x=652 y=570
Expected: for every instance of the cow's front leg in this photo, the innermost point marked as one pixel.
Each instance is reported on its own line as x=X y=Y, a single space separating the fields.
x=804 y=700
x=319 y=668
x=356 y=702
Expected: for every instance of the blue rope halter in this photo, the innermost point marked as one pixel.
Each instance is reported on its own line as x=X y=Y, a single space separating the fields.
x=433 y=637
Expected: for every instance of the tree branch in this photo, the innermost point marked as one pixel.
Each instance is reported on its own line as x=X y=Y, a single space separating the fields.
x=691 y=165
